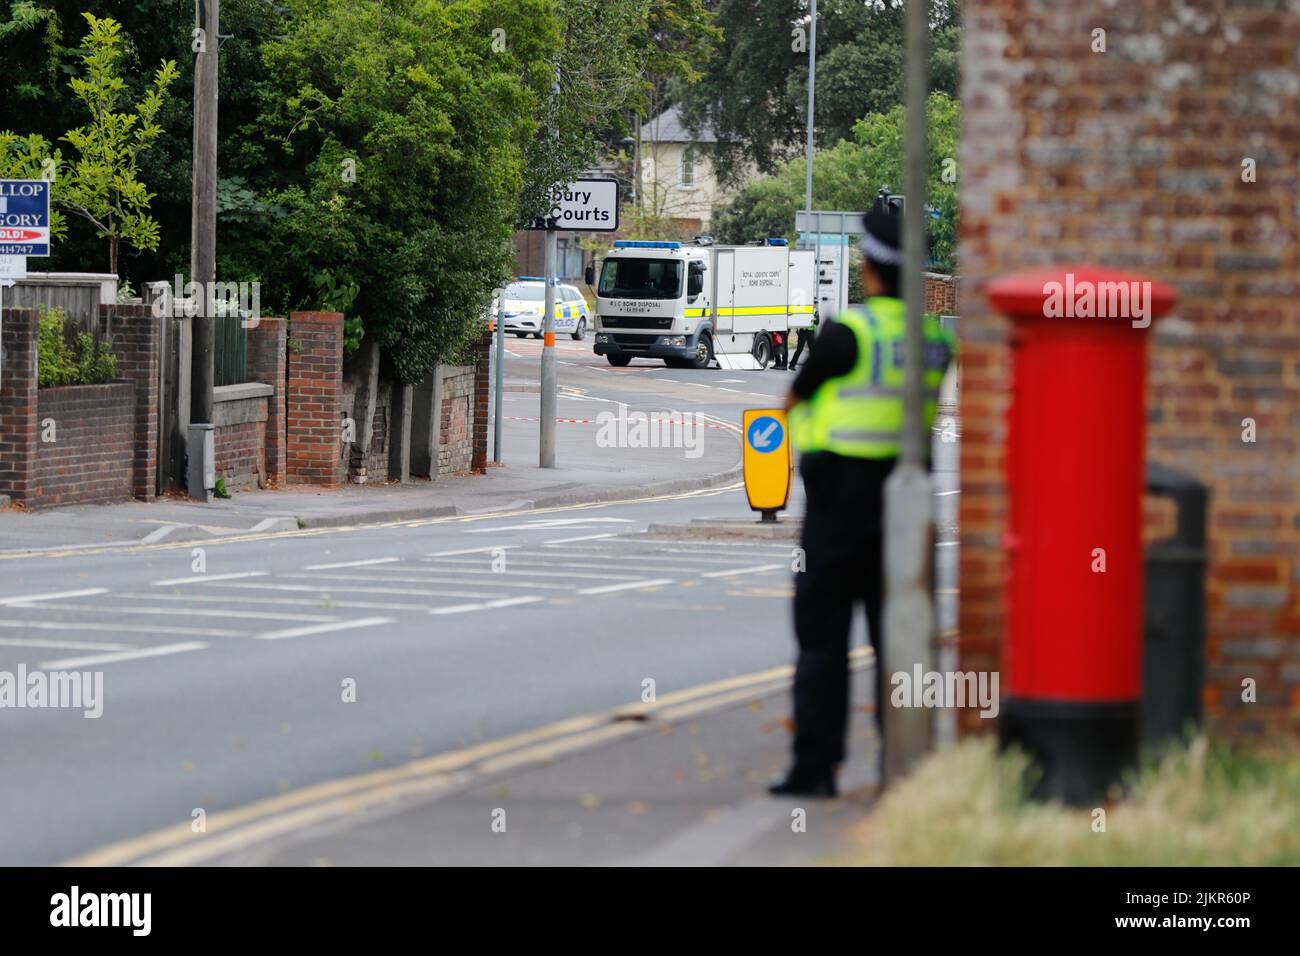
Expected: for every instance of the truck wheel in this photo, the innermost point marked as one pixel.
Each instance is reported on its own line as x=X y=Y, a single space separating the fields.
x=703 y=351
x=537 y=335
x=521 y=335
x=763 y=351
x=580 y=332
x=619 y=361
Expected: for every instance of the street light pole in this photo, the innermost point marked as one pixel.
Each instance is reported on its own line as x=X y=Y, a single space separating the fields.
x=909 y=614
x=812 y=98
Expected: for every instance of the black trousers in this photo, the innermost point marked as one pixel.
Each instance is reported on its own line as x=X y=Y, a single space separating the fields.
x=843 y=542
x=805 y=337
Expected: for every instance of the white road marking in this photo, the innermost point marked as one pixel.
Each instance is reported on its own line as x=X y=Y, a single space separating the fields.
x=172 y=612
x=446 y=569
x=158 y=534
x=209 y=578
x=350 y=564
x=606 y=559
x=267 y=523
x=487 y=605
x=448 y=554
x=631 y=585
x=120 y=628
x=585 y=537
x=29 y=598
x=323 y=628
x=64 y=645
x=292 y=602
x=732 y=571
x=73 y=663
x=550 y=524
x=318 y=589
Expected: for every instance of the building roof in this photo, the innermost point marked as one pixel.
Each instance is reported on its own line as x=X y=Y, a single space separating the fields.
x=668 y=127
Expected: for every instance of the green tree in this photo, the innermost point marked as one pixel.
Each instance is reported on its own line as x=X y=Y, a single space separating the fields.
x=754 y=93
x=848 y=175
x=102 y=185
x=400 y=131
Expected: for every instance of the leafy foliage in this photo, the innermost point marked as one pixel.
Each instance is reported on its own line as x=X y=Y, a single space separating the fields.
x=65 y=356
x=31 y=157
x=754 y=93
x=102 y=184
x=847 y=176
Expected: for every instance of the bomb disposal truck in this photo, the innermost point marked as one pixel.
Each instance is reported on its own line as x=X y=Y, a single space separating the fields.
x=692 y=303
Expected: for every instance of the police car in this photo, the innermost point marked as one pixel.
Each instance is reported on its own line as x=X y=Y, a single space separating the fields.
x=526 y=299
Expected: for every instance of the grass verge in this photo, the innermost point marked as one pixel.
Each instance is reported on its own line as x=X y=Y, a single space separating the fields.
x=1196 y=805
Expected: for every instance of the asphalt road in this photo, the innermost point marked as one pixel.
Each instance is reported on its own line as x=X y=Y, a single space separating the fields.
x=227 y=669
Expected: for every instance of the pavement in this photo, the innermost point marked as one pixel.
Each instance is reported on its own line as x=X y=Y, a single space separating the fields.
x=532 y=680
x=586 y=472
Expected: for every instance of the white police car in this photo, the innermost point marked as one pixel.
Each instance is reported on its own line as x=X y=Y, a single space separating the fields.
x=523 y=303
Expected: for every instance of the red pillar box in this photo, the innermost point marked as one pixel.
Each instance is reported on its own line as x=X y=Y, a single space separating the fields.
x=1075 y=463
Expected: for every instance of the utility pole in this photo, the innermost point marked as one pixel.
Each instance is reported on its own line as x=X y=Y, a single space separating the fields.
x=546 y=440
x=909 y=612
x=203 y=239
x=499 y=386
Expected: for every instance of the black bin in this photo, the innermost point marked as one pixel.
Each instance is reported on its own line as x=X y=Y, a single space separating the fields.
x=1173 y=647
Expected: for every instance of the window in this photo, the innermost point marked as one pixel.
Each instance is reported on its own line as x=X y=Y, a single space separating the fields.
x=641 y=278
x=688 y=166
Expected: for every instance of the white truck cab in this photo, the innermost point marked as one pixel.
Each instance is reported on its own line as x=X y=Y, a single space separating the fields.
x=692 y=303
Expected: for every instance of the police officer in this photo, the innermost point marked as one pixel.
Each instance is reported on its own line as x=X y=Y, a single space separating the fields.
x=804 y=337
x=846 y=416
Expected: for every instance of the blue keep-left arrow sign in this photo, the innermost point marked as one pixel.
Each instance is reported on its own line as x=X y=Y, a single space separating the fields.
x=765 y=434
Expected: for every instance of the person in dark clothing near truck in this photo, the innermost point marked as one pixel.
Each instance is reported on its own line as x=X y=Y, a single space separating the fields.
x=846 y=417
x=804 y=337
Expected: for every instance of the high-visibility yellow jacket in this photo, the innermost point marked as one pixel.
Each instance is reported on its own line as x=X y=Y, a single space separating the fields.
x=860 y=414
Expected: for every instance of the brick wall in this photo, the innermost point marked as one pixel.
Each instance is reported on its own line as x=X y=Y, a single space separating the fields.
x=314 y=398
x=1133 y=158
x=456 y=420
x=268 y=364
x=241 y=416
x=940 y=294
x=101 y=432
x=373 y=464
x=132 y=332
x=18 y=409
x=482 y=397
x=85 y=439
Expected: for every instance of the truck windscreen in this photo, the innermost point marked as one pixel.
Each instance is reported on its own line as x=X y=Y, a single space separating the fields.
x=641 y=278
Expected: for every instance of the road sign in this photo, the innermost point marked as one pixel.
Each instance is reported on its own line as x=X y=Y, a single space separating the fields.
x=585 y=205
x=846 y=223
x=768 y=460
x=24 y=217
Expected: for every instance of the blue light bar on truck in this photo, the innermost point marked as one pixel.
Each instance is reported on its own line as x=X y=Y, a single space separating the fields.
x=640 y=244
x=778 y=242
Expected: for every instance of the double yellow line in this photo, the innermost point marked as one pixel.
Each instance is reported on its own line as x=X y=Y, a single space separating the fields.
x=241 y=829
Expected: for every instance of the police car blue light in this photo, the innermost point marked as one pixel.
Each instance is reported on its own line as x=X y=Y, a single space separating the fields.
x=643 y=244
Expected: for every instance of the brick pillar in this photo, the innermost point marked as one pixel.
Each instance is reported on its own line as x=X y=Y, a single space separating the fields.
x=18 y=433
x=482 y=396
x=313 y=429
x=134 y=334
x=268 y=363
